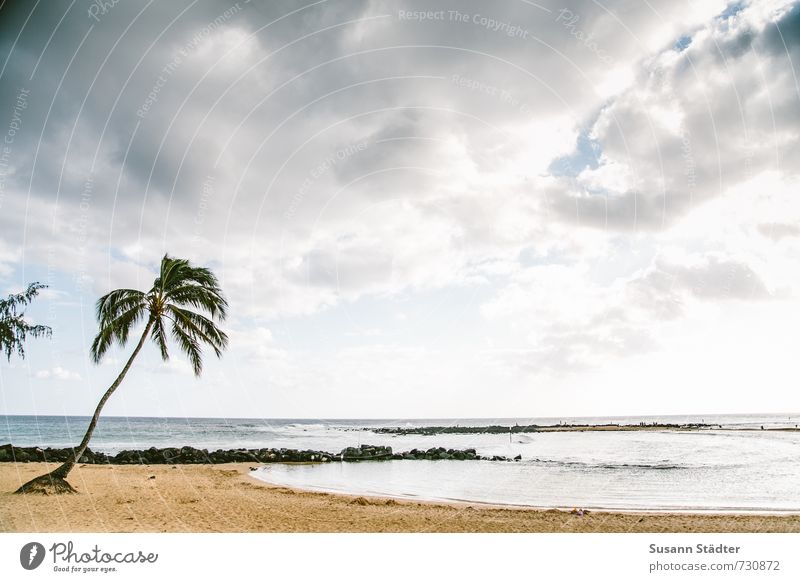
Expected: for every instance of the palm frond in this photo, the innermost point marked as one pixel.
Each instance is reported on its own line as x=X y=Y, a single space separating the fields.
x=190 y=346
x=201 y=276
x=170 y=272
x=116 y=330
x=160 y=337
x=200 y=328
x=111 y=305
x=207 y=299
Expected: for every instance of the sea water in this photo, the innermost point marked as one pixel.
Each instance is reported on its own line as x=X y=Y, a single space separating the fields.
x=735 y=466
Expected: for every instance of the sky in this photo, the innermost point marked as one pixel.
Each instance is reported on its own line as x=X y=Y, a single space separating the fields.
x=415 y=209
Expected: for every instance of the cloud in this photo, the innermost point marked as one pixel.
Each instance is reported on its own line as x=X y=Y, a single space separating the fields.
x=697 y=122
x=239 y=94
x=257 y=345
x=572 y=192
x=57 y=373
x=778 y=230
x=708 y=278
x=569 y=323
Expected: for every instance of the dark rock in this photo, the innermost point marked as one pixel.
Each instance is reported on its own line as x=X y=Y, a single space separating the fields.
x=191 y=455
x=169 y=454
x=366 y=453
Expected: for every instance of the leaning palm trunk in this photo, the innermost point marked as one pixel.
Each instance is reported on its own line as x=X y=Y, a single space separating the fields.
x=55 y=481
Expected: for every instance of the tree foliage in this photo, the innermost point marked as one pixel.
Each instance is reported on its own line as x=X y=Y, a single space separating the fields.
x=14 y=330
x=183 y=304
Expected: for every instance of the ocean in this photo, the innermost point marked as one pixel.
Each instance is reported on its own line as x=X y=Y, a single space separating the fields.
x=735 y=467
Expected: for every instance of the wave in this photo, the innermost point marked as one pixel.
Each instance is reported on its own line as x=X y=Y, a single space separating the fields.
x=660 y=466
x=305 y=426
x=280 y=428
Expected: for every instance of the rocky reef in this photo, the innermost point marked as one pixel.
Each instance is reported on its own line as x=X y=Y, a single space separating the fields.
x=193 y=456
x=531 y=428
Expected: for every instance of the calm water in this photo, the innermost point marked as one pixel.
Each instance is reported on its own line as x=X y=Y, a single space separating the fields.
x=730 y=469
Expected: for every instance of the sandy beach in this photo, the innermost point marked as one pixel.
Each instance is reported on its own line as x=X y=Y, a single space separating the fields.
x=224 y=498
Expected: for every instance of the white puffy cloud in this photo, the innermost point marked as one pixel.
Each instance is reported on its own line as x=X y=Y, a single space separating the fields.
x=700 y=121
x=57 y=373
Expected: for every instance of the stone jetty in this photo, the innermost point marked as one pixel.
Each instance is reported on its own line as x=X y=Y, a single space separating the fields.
x=193 y=456
x=532 y=428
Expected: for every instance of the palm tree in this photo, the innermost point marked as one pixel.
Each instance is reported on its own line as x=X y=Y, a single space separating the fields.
x=13 y=327
x=179 y=285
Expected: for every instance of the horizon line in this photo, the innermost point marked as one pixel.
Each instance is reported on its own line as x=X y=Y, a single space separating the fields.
x=789 y=415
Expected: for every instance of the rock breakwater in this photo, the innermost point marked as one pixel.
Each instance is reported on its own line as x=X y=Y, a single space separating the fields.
x=192 y=456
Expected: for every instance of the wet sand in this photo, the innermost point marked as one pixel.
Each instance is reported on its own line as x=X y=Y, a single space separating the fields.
x=224 y=498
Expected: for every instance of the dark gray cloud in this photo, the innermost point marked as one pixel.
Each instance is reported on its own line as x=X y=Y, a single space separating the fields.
x=625 y=212
x=784 y=35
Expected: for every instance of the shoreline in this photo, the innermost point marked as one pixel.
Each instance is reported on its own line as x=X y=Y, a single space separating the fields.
x=226 y=498
x=520 y=506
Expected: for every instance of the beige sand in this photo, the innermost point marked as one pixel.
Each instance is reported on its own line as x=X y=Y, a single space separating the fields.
x=223 y=498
